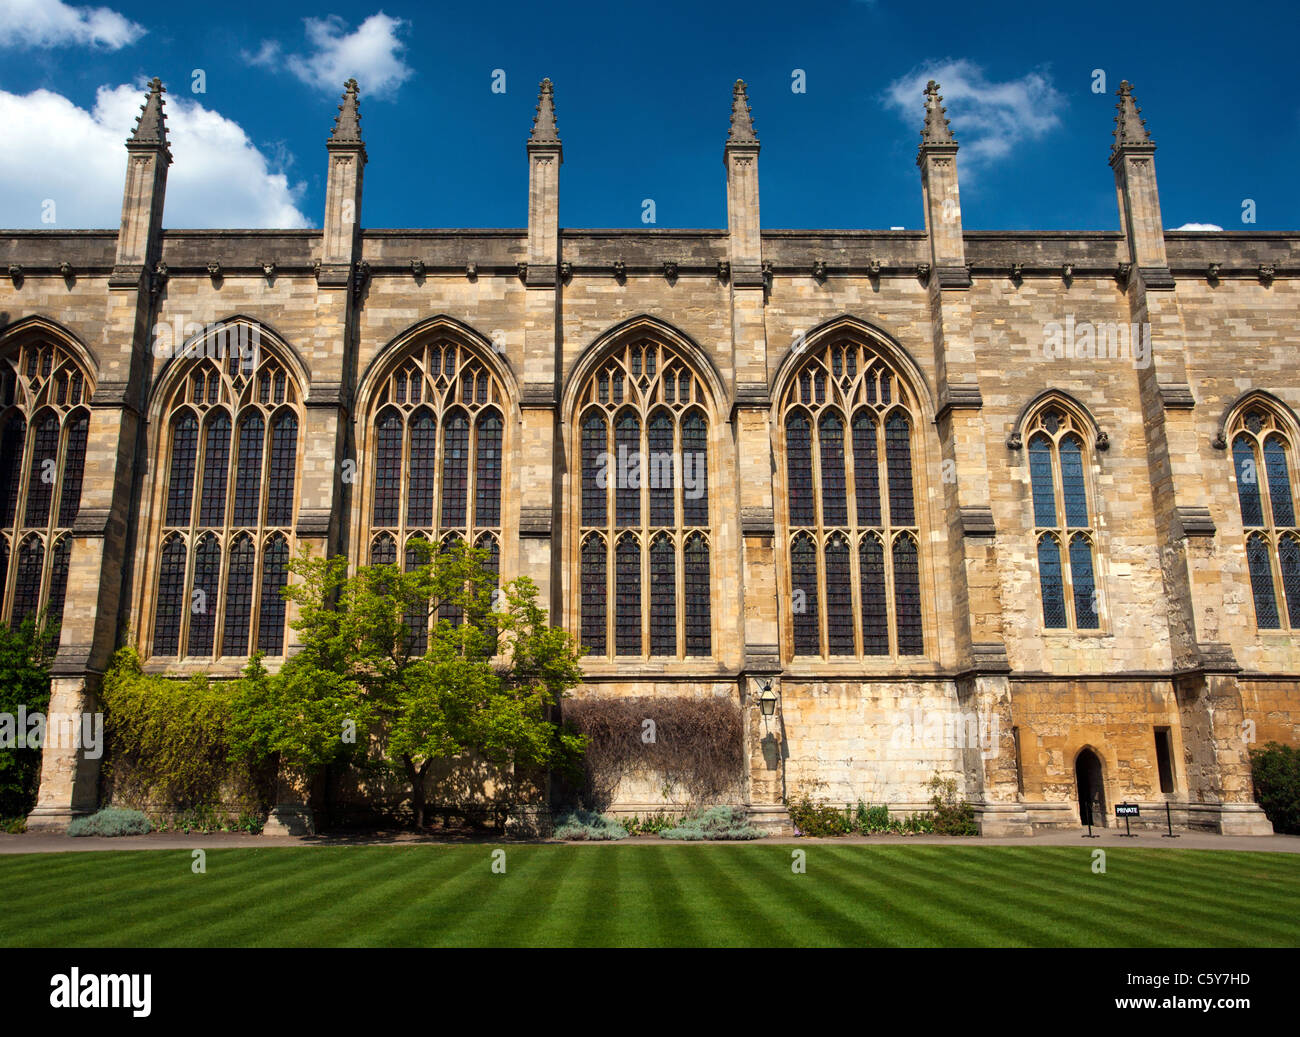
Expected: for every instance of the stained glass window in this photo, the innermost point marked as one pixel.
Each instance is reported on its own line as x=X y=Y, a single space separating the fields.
x=248 y=473
x=627 y=600
x=239 y=596
x=203 y=599
x=866 y=470
x=627 y=488
x=1072 y=487
x=594 y=503
x=180 y=483
x=43 y=471
x=699 y=636
x=455 y=469
x=59 y=579
x=660 y=463
x=875 y=608
x=835 y=508
x=422 y=479
x=1081 y=580
x=74 y=464
x=233 y=427
x=487 y=482
x=171 y=598
x=868 y=601
x=27 y=579
x=907 y=597
x=383 y=551
x=1051 y=582
x=11 y=467
x=803 y=580
x=798 y=450
x=1268 y=515
x=593 y=595
x=663 y=597
x=388 y=468
x=651 y=408
x=839 y=598
x=417 y=617
x=1261 y=582
x=274 y=576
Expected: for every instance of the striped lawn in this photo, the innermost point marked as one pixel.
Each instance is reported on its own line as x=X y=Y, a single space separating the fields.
x=652 y=895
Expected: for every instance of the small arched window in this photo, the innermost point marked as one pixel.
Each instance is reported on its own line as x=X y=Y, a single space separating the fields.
x=1063 y=524
x=1262 y=460
x=849 y=423
x=644 y=523
x=44 y=432
x=230 y=458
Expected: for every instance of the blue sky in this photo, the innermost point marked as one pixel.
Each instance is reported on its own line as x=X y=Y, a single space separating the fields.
x=643 y=96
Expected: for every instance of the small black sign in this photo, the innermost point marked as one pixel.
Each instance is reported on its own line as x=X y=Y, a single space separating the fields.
x=1126 y=810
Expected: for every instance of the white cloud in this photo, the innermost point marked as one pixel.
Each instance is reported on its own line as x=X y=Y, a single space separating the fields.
x=1199 y=226
x=52 y=23
x=77 y=158
x=372 y=54
x=988 y=118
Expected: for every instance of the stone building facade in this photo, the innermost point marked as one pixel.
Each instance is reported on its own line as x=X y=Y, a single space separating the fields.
x=1011 y=508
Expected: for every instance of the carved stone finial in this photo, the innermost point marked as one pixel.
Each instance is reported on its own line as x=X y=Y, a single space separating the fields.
x=151 y=124
x=935 y=129
x=742 y=121
x=1130 y=127
x=347 y=124
x=545 y=133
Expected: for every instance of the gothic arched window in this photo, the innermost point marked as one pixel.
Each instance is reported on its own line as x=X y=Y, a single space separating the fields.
x=44 y=429
x=644 y=538
x=439 y=442
x=1063 y=525
x=1262 y=460
x=230 y=457
x=849 y=423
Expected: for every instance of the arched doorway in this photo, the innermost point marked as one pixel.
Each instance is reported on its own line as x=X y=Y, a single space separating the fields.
x=1092 y=793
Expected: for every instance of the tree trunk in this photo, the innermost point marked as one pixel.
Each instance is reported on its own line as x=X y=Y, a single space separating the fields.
x=416 y=779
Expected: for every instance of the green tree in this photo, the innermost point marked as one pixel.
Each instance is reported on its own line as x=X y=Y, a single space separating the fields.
x=483 y=684
x=25 y=656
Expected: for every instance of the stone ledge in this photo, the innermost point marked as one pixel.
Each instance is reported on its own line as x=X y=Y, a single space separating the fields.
x=535 y=523
x=313 y=524
x=1157 y=278
x=753 y=394
x=1195 y=521
x=91 y=522
x=538 y=395
x=1177 y=396
x=976 y=520
x=71 y=660
x=757 y=522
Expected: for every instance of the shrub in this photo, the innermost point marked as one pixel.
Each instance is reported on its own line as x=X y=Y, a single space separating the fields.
x=950 y=816
x=714 y=823
x=653 y=824
x=111 y=821
x=1275 y=771
x=587 y=825
x=873 y=820
x=25 y=654
x=819 y=820
x=697 y=744
x=13 y=825
x=169 y=742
